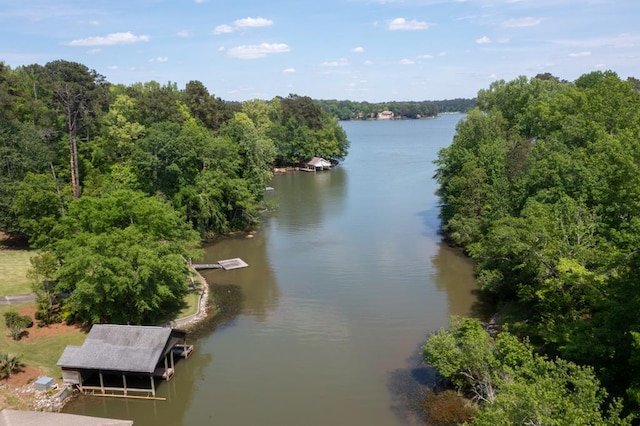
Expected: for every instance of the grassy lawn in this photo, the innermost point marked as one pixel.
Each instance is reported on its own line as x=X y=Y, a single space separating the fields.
x=42 y=351
x=191 y=300
x=14 y=265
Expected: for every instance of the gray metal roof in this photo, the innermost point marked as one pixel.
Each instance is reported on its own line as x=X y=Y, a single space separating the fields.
x=37 y=418
x=111 y=347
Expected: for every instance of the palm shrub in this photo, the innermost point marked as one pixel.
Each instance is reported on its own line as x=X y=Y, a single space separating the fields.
x=9 y=364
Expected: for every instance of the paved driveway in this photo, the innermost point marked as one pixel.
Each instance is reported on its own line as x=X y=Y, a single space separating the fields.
x=17 y=299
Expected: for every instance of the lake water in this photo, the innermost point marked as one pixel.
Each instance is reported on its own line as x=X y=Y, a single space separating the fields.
x=345 y=280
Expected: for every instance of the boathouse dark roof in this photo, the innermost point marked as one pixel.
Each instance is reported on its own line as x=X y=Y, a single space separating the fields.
x=111 y=347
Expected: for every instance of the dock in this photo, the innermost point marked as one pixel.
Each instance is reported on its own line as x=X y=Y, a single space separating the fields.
x=227 y=264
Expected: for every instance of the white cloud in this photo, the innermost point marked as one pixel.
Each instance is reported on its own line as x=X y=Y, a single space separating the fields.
x=223 y=29
x=184 y=34
x=625 y=40
x=425 y=57
x=257 y=50
x=442 y=54
x=252 y=22
x=483 y=40
x=110 y=40
x=113 y=67
x=407 y=62
x=342 y=62
x=93 y=51
x=159 y=59
x=289 y=70
x=522 y=22
x=403 y=24
x=242 y=23
x=580 y=54
x=358 y=49
x=368 y=62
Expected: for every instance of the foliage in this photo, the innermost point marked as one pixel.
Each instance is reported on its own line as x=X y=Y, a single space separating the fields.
x=512 y=383
x=9 y=364
x=541 y=188
x=110 y=180
x=17 y=324
x=446 y=408
x=121 y=258
x=351 y=110
x=302 y=130
x=42 y=274
x=42 y=351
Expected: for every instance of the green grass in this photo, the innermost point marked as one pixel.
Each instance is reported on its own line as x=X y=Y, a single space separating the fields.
x=42 y=352
x=14 y=265
x=191 y=300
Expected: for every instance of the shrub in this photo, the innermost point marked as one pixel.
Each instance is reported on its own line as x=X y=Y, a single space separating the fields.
x=17 y=324
x=446 y=409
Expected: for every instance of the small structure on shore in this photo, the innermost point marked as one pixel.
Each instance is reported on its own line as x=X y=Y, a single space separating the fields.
x=316 y=164
x=117 y=360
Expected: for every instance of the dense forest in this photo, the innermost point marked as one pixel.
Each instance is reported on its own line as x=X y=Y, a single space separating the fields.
x=116 y=185
x=352 y=110
x=541 y=187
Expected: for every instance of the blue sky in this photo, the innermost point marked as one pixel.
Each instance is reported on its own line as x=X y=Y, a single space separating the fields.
x=364 y=50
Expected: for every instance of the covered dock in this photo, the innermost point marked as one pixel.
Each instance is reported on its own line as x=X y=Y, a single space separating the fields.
x=123 y=360
x=316 y=164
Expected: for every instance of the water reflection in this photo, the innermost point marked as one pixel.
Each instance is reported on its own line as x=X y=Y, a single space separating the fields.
x=226 y=302
x=409 y=386
x=310 y=197
x=256 y=284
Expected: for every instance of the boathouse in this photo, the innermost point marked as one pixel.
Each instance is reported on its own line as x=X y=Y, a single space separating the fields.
x=123 y=360
x=317 y=164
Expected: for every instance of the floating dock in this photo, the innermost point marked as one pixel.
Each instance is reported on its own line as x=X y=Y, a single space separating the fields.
x=227 y=264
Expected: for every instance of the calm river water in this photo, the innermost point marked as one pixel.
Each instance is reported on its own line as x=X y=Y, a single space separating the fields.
x=344 y=282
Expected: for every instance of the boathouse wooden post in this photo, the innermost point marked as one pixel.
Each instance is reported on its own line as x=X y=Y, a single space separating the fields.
x=124 y=382
x=166 y=369
x=101 y=381
x=153 y=385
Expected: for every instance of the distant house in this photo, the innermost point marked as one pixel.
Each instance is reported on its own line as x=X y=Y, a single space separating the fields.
x=385 y=115
x=116 y=359
x=317 y=164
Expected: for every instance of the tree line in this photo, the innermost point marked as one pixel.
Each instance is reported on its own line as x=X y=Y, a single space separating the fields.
x=352 y=110
x=117 y=184
x=541 y=187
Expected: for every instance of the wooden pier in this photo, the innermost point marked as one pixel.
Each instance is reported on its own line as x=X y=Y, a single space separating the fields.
x=227 y=264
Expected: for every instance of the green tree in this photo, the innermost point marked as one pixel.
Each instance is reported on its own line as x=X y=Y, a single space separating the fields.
x=122 y=258
x=42 y=273
x=78 y=93
x=256 y=150
x=22 y=150
x=514 y=385
x=38 y=205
